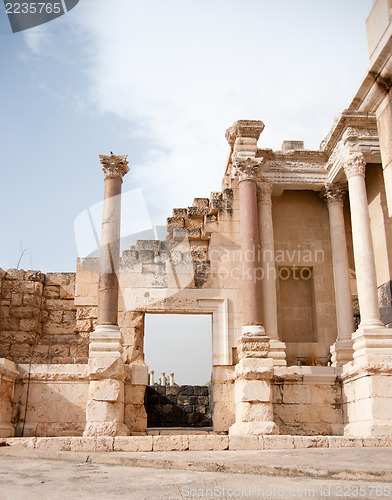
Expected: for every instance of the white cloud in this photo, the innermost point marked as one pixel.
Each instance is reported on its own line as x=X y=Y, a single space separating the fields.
x=183 y=72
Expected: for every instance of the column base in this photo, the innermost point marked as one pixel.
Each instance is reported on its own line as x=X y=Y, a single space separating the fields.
x=105 y=429
x=342 y=352
x=105 y=341
x=378 y=428
x=372 y=340
x=277 y=351
x=253 y=429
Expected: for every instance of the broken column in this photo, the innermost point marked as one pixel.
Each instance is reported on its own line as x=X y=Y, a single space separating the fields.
x=253 y=398
x=105 y=407
x=342 y=349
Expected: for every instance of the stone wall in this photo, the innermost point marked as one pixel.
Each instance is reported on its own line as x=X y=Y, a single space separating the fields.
x=306 y=305
x=56 y=402
x=178 y=406
x=38 y=318
x=308 y=401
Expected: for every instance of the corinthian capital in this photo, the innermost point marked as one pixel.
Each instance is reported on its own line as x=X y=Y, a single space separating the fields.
x=114 y=166
x=246 y=169
x=333 y=193
x=355 y=164
x=264 y=192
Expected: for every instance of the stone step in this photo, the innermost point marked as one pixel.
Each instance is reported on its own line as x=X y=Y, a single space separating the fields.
x=177 y=431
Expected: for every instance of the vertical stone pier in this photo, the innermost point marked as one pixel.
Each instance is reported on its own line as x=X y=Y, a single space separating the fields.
x=254 y=410
x=105 y=407
x=342 y=349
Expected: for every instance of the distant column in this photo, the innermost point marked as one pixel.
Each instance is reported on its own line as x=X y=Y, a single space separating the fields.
x=342 y=349
x=172 y=379
x=152 y=377
x=163 y=378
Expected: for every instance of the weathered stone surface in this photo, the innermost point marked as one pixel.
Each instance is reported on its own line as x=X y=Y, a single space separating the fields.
x=170 y=443
x=133 y=443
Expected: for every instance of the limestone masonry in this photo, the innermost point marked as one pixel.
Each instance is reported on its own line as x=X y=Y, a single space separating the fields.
x=293 y=261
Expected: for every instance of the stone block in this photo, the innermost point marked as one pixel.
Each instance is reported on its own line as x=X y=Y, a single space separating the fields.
x=139 y=374
x=252 y=391
x=25 y=442
x=104 y=443
x=134 y=394
x=344 y=442
x=170 y=443
x=310 y=442
x=102 y=411
x=83 y=444
x=278 y=442
x=246 y=443
x=106 y=390
x=133 y=443
x=208 y=442
x=250 y=412
x=53 y=443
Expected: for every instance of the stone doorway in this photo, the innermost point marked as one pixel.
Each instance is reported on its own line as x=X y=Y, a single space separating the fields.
x=178 y=352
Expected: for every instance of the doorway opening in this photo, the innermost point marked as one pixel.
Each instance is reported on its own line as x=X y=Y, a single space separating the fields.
x=178 y=353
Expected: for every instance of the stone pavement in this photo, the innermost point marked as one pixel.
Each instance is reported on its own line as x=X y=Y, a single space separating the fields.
x=349 y=463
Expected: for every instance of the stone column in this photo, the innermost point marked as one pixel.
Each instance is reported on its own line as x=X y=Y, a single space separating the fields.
x=371 y=337
x=246 y=171
x=151 y=381
x=268 y=282
x=163 y=378
x=105 y=408
x=367 y=381
x=253 y=394
x=342 y=349
x=384 y=127
x=171 y=379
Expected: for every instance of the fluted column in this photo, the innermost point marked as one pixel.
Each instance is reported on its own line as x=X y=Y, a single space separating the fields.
x=105 y=407
x=342 y=349
x=268 y=282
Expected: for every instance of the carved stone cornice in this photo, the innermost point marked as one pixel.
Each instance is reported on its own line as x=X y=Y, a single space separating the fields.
x=114 y=166
x=354 y=164
x=333 y=193
x=244 y=128
x=246 y=169
x=264 y=192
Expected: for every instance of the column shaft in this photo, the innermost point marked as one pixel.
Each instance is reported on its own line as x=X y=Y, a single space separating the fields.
x=268 y=283
x=250 y=250
x=363 y=246
x=344 y=305
x=110 y=251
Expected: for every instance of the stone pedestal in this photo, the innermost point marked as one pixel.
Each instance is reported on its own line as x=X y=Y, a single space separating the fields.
x=254 y=413
x=105 y=407
x=8 y=375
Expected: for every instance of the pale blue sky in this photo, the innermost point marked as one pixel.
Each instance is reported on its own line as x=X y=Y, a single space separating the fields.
x=160 y=81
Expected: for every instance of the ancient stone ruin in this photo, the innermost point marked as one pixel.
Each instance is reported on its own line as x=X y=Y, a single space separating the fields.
x=293 y=261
